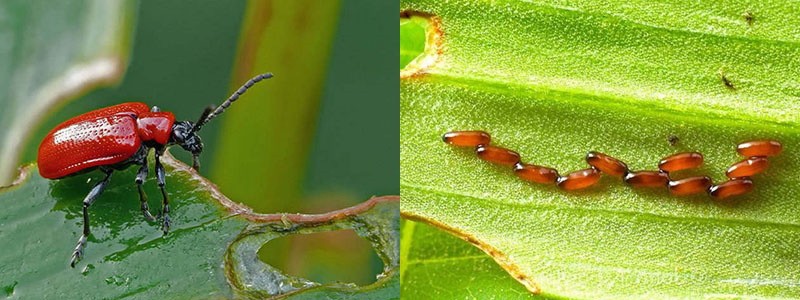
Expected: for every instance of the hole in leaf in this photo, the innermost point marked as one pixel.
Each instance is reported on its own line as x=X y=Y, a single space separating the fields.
x=324 y=257
x=412 y=38
x=419 y=42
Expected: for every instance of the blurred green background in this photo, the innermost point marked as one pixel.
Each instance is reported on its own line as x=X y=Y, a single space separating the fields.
x=184 y=58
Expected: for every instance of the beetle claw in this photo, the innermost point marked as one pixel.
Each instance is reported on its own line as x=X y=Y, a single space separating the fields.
x=148 y=216
x=196 y=163
x=78 y=253
x=166 y=224
x=76 y=256
x=146 y=212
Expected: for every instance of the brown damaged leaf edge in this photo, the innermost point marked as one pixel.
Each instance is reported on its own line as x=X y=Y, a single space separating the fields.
x=501 y=258
x=22 y=174
x=296 y=220
x=240 y=209
x=433 y=46
x=299 y=219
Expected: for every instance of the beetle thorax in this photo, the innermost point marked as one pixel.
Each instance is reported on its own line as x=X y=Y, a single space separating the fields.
x=155 y=127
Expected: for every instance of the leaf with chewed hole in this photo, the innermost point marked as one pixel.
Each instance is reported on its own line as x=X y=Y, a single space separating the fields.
x=554 y=80
x=412 y=35
x=213 y=241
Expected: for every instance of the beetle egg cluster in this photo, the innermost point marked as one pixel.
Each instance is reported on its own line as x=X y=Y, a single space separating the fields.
x=738 y=183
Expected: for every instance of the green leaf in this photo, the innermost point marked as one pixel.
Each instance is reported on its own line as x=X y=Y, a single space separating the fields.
x=433 y=260
x=412 y=38
x=213 y=241
x=554 y=81
x=52 y=51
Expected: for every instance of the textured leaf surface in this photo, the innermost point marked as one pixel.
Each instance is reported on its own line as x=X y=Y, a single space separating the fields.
x=433 y=260
x=128 y=257
x=555 y=80
x=50 y=51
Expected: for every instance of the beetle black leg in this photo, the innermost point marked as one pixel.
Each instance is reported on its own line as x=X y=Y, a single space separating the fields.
x=140 y=177
x=165 y=204
x=90 y=198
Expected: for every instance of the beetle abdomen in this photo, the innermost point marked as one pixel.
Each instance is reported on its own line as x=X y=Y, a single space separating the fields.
x=88 y=143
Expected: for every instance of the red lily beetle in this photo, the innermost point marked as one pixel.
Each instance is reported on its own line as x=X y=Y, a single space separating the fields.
x=116 y=137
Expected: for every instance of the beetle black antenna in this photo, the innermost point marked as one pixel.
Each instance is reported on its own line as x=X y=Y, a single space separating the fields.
x=235 y=96
x=202 y=118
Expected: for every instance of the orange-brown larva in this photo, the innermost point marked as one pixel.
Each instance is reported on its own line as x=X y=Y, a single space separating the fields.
x=606 y=164
x=680 y=161
x=580 y=179
x=647 y=179
x=747 y=167
x=739 y=173
x=472 y=138
x=498 y=155
x=762 y=148
x=689 y=186
x=536 y=173
x=731 y=188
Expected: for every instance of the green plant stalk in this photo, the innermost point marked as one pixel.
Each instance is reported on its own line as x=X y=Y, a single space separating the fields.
x=265 y=140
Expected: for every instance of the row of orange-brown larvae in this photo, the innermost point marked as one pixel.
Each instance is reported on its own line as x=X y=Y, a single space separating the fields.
x=738 y=174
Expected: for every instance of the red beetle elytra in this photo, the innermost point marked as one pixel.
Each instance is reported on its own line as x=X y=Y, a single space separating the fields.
x=116 y=137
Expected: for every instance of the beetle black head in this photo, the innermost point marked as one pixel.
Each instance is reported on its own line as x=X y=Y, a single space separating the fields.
x=184 y=133
x=184 y=136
